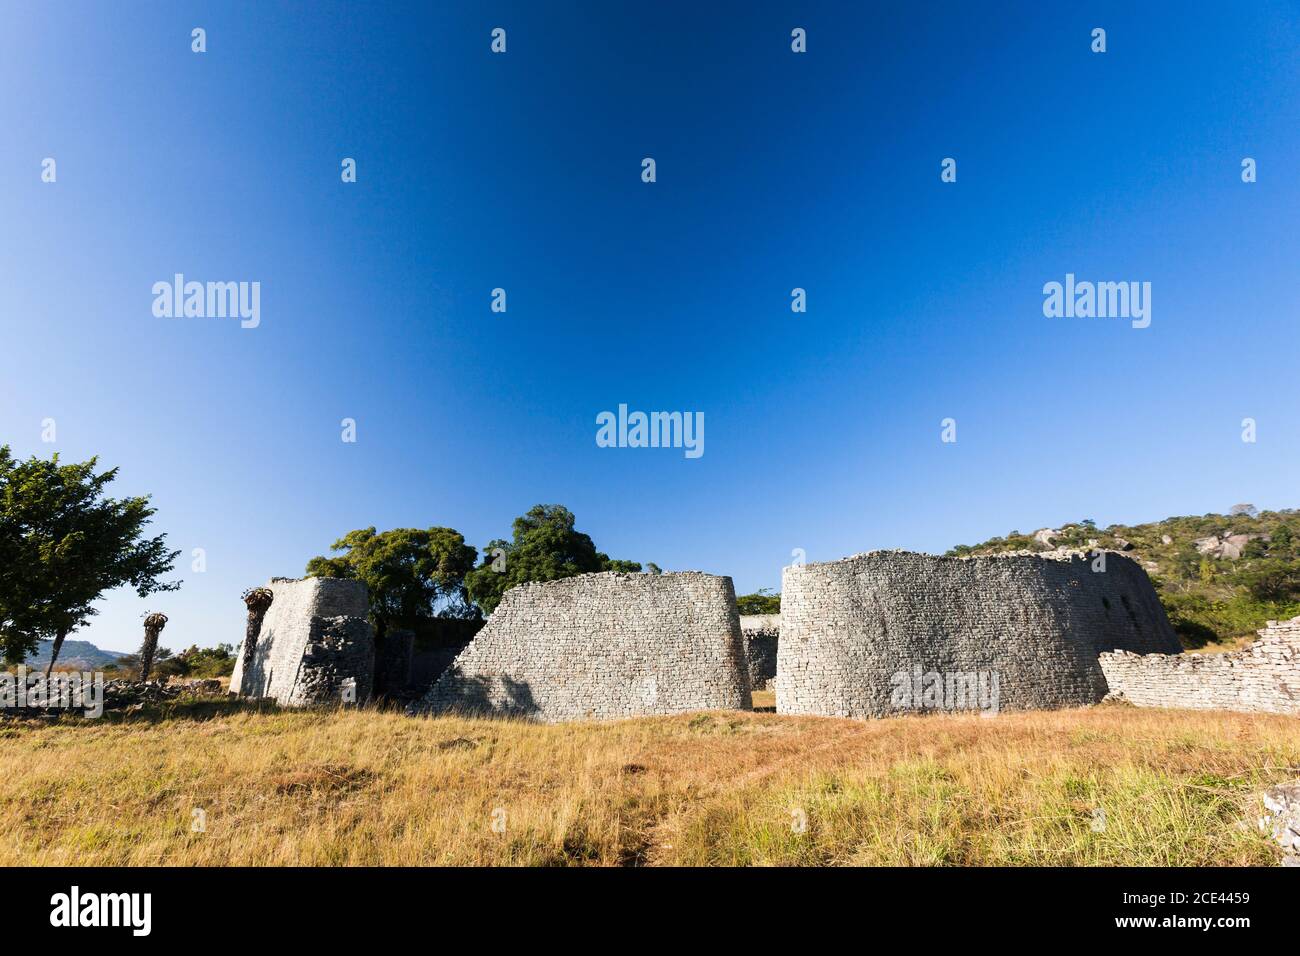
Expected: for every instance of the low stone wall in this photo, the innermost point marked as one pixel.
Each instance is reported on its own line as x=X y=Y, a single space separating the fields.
x=1264 y=677
x=315 y=646
x=602 y=646
x=762 y=632
x=891 y=631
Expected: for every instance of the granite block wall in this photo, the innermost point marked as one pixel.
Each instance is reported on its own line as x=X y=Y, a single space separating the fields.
x=761 y=631
x=1264 y=677
x=1036 y=623
x=315 y=646
x=601 y=646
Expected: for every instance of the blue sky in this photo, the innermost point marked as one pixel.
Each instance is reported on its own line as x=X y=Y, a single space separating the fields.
x=775 y=170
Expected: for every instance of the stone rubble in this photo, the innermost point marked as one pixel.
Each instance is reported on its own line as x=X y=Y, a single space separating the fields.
x=1282 y=820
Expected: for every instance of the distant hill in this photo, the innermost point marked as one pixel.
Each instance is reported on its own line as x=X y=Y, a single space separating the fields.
x=1219 y=576
x=74 y=655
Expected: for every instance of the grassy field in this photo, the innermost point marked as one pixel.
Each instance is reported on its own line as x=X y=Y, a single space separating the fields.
x=1104 y=785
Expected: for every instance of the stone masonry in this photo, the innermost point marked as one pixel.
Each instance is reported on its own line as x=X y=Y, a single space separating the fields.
x=315 y=645
x=762 y=631
x=1263 y=677
x=849 y=628
x=602 y=645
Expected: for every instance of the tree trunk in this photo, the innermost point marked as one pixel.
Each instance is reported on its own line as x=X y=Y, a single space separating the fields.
x=153 y=625
x=54 y=651
x=147 y=652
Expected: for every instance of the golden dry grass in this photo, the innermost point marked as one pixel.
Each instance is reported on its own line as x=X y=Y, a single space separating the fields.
x=370 y=787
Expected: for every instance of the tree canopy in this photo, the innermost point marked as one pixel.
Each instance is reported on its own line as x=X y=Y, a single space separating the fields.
x=545 y=547
x=411 y=575
x=762 y=601
x=63 y=543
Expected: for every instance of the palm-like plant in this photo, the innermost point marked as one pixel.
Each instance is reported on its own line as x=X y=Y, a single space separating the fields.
x=258 y=601
x=153 y=625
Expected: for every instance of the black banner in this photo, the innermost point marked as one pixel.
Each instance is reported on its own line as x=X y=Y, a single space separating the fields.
x=143 y=906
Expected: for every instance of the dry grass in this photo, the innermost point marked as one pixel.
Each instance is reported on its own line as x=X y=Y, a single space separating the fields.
x=367 y=787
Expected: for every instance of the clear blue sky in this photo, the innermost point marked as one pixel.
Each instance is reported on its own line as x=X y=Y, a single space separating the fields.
x=522 y=170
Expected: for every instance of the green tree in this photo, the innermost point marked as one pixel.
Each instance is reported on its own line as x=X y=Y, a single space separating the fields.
x=1283 y=541
x=545 y=548
x=199 y=662
x=762 y=601
x=1275 y=579
x=1206 y=570
x=411 y=575
x=63 y=543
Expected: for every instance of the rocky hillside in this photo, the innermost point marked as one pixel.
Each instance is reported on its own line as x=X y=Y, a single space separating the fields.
x=1219 y=576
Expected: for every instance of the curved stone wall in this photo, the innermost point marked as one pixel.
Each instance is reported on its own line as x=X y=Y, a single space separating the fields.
x=870 y=635
x=602 y=646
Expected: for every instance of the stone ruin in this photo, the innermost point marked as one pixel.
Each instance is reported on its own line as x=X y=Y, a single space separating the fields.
x=1056 y=629
x=1034 y=623
x=1264 y=677
x=762 y=632
x=601 y=646
x=315 y=645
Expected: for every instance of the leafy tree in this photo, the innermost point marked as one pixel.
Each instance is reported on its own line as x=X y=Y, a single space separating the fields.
x=162 y=663
x=545 y=548
x=63 y=543
x=1272 y=580
x=199 y=662
x=411 y=575
x=762 y=601
x=1206 y=570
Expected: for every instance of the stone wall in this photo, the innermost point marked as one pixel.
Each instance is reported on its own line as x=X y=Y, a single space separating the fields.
x=1036 y=624
x=315 y=646
x=602 y=646
x=1263 y=677
x=761 y=632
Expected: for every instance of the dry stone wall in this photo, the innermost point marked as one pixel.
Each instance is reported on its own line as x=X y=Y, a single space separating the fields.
x=761 y=631
x=1264 y=677
x=1031 y=627
x=315 y=645
x=602 y=645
